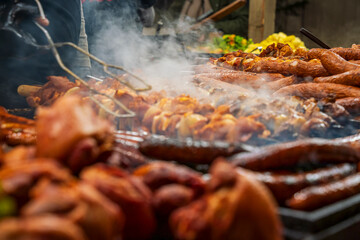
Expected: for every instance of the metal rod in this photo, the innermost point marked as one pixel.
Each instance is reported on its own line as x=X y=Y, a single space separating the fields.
x=313 y=38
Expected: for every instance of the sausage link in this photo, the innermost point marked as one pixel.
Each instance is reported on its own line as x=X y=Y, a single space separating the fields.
x=351 y=104
x=293 y=153
x=283 y=186
x=347 y=53
x=331 y=61
x=351 y=78
x=319 y=91
x=318 y=196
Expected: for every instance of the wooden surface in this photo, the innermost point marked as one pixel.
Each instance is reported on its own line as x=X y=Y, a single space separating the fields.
x=261 y=19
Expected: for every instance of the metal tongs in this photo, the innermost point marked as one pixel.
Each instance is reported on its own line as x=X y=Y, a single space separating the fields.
x=92 y=92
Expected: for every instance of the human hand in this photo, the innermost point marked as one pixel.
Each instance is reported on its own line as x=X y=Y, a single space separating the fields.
x=14 y=12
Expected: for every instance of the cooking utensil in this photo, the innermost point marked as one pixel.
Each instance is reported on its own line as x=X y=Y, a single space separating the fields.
x=92 y=92
x=313 y=38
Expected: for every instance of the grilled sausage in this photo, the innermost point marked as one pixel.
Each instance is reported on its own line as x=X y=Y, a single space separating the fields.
x=331 y=61
x=292 y=153
x=318 y=196
x=283 y=186
x=347 y=53
x=319 y=91
x=351 y=104
x=351 y=78
x=295 y=67
x=187 y=151
x=241 y=77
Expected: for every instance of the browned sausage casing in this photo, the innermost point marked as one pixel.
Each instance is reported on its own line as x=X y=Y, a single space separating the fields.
x=351 y=104
x=283 y=186
x=318 y=196
x=351 y=78
x=301 y=151
x=319 y=91
x=186 y=151
x=347 y=53
x=295 y=67
x=331 y=61
x=241 y=77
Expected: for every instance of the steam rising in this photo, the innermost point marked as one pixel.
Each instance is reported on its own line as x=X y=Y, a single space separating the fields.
x=161 y=60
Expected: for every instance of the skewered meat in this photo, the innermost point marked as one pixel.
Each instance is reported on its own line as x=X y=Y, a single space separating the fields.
x=236 y=206
x=40 y=227
x=331 y=61
x=319 y=91
x=283 y=186
x=351 y=78
x=129 y=193
x=301 y=151
x=317 y=196
x=65 y=125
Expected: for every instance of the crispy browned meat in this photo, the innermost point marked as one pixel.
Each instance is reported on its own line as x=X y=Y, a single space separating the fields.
x=186 y=151
x=18 y=155
x=171 y=197
x=243 y=78
x=331 y=61
x=351 y=78
x=62 y=128
x=40 y=227
x=295 y=67
x=51 y=91
x=236 y=206
x=319 y=91
x=158 y=174
x=283 y=186
x=129 y=193
x=301 y=151
x=17 y=180
x=82 y=204
x=317 y=196
x=351 y=104
x=15 y=130
x=348 y=53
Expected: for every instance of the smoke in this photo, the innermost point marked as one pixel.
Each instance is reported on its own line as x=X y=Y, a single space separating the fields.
x=162 y=60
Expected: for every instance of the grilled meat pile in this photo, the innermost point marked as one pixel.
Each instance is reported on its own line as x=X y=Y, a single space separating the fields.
x=74 y=183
